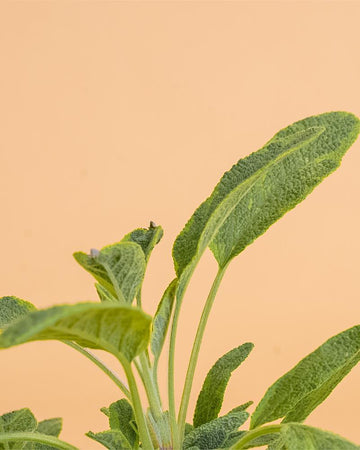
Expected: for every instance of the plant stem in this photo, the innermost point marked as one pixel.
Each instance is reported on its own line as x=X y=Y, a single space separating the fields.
x=102 y=366
x=171 y=374
x=255 y=433
x=195 y=350
x=36 y=437
x=136 y=402
x=154 y=400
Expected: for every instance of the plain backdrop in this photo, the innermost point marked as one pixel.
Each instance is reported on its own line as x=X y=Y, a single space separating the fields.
x=113 y=114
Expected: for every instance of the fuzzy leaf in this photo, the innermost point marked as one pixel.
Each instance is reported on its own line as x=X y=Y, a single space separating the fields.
x=16 y=421
x=104 y=294
x=119 y=329
x=212 y=393
x=213 y=434
x=262 y=187
x=162 y=318
x=147 y=238
x=111 y=439
x=51 y=427
x=11 y=309
x=296 y=394
x=299 y=437
x=120 y=418
x=119 y=268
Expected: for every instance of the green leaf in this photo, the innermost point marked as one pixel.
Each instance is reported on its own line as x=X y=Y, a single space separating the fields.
x=162 y=318
x=299 y=437
x=119 y=329
x=147 y=238
x=16 y=421
x=11 y=309
x=51 y=427
x=119 y=268
x=104 y=294
x=120 y=418
x=296 y=394
x=213 y=434
x=262 y=187
x=212 y=393
x=111 y=439
x=232 y=439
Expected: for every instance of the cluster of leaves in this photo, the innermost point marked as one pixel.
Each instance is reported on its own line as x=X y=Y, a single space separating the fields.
x=254 y=194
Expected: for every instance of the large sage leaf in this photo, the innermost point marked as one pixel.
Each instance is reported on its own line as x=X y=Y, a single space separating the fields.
x=162 y=319
x=296 y=394
x=11 y=309
x=147 y=238
x=295 y=436
x=212 y=393
x=118 y=329
x=262 y=187
x=119 y=268
x=213 y=434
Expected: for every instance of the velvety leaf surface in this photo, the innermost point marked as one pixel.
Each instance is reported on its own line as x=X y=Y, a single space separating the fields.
x=296 y=394
x=262 y=187
x=51 y=427
x=147 y=238
x=299 y=437
x=16 y=421
x=121 y=415
x=118 y=329
x=212 y=393
x=162 y=318
x=213 y=434
x=119 y=268
x=111 y=439
x=11 y=309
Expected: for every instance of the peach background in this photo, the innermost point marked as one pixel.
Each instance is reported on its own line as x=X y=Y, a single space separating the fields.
x=117 y=113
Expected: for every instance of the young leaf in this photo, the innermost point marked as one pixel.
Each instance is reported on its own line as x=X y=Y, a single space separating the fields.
x=120 y=418
x=299 y=437
x=119 y=268
x=212 y=393
x=119 y=329
x=296 y=394
x=262 y=187
x=147 y=238
x=111 y=439
x=11 y=309
x=213 y=434
x=162 y=318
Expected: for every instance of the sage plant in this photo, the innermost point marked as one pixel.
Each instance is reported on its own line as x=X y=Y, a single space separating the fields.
x=251 y=196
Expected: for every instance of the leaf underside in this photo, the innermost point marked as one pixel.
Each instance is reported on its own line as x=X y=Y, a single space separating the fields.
x=119 y=329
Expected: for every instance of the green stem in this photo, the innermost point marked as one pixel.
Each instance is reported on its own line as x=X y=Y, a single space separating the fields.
x=195 y=351
x=102 y=366
x=36 y=437
x=154 y=400
x=255 y=433
x=171 y=374
x=136 y=402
